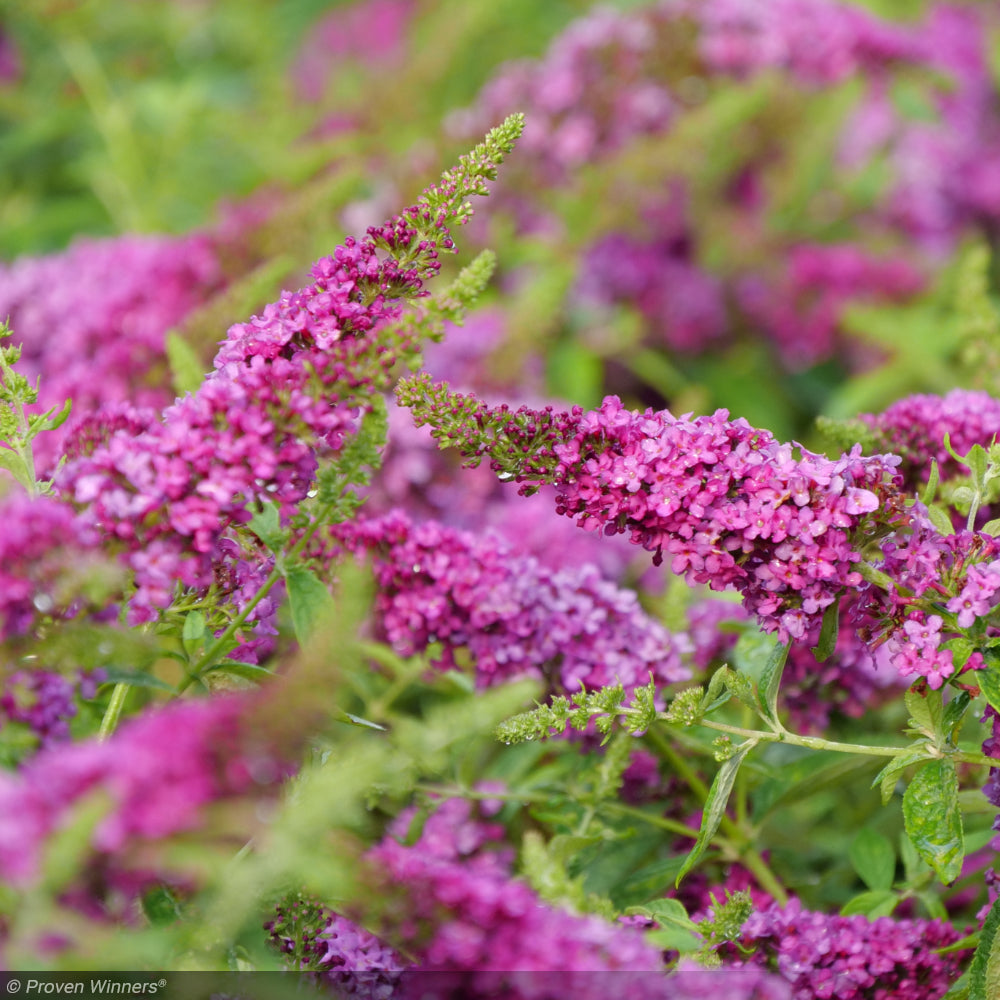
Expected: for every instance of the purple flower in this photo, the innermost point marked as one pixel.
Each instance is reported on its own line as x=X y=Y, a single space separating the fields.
x=513 y=615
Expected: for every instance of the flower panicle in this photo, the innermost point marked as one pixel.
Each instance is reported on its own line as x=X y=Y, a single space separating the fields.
x=604 y=707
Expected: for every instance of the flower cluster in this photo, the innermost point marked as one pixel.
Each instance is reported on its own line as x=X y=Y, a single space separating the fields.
x=852 y=958
x=682 y=303
x=198 y=751
x=45 y=701
x=455 y=906
x=103 y=306
x=801 y=312
x=507 y=612
x=954 y=573
x=729 y=505
x=575 y=117
x=914 y=428
x=287 y=385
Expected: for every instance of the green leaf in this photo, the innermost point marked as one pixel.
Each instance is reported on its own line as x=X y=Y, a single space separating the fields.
x=984 y=972
x=194 y=631
x=52 y=423
x=938 y=516
x=927 y=497
x=186 y=368
x=828 y=633
x=160 y=906
x=135 y=678
x=878 y=903
x=988 y=678
x=310 y=602
x=15 y=465
x=761 y=658
x=770 y=678
x=715 y=806
x=954 y=714
x=266 y=525
x=933 y=820
x=889 y=774
x=718 y=692
x=992 y=527
x=925 y=708
x=677 y=931
x=874 y=859
x=976 y=461
x=356 y=720
x=248 y=671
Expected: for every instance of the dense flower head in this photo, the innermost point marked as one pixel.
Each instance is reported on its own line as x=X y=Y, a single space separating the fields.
x=914 y=428
x=727 y=504
x=461 y=910
x=830 y=957
x=958 y=574
x=287 y=386
x=159 y=772
x=103 y=306
x=508 y=613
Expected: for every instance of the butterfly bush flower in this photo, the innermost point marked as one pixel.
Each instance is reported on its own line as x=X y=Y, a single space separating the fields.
x=45 y=701
x=914 y=428
x=159 y=772
x=801 y=311
x=830 y=957
x=103 y=306
x=287 y=386
x=725 y=503
x=509 y=613
x=454 y=905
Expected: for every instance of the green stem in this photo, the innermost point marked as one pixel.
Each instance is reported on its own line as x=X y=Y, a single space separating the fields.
x=114 y=710
x=817 y=743
x=737 y=835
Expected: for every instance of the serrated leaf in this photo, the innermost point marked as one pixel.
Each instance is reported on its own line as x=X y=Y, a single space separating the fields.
x=874 y=859
x=309 y=600
x=715 y=806
x=266 y=525
x=984 y=972
x=828 y=633
x=889 y=774
x=954 y=714
x=988 y=678
x=878 y=903
x=186 y=369
x=933 y=820
x=925 y=708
